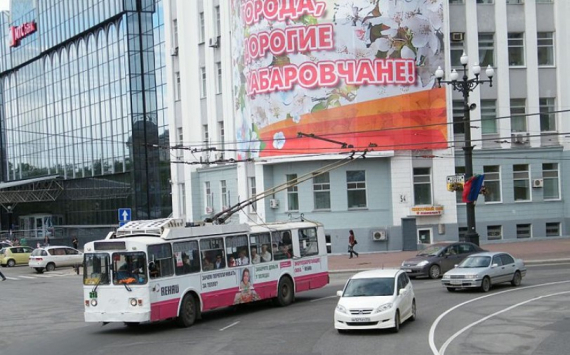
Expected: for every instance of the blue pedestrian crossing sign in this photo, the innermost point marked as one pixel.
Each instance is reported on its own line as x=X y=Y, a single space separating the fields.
x=124 y=214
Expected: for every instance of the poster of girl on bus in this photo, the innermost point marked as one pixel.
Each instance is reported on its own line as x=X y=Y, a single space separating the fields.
x=246 y=292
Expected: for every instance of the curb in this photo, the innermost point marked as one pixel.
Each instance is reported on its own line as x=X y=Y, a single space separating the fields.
x=526 y=262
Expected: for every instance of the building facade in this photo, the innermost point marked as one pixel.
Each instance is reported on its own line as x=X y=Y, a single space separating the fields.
x=83 y=115
x=392 y=197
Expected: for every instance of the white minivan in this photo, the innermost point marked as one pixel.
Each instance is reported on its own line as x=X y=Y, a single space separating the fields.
x=49 y=258
x=375 y=299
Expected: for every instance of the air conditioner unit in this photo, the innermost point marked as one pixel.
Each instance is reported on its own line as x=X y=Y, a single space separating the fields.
x=380 y=235
x=457 y=36
x=519 y=138
x=209 y=210
x=274 y=203
x=538 y=183
x=174 y=51
x=214 y=42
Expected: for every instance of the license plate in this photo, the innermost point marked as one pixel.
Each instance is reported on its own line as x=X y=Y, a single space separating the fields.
x=407 y=270
x=456 y=282
x=361 y=319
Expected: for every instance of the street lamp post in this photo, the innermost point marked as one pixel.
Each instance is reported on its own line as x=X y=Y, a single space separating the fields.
x=465 y=86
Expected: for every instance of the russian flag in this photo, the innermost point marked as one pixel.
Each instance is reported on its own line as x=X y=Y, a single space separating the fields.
x=472 y=188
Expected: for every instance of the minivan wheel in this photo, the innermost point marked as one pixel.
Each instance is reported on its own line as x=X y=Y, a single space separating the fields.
x=397 y=322
x=414 y=311
x=11 y=263
x=40 y=270
x=50 y=267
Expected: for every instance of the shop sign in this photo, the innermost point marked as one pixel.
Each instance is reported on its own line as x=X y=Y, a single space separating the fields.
x=427 y=210
x=19 y=32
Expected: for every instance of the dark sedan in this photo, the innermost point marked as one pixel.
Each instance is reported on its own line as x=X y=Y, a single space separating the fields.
x=438 y=258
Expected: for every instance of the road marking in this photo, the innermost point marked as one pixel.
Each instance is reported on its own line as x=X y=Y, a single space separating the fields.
x=446 y=344
x=12 y=278
x=323 y=298
x=431 y=336
x=229 y=326
x=27 y=277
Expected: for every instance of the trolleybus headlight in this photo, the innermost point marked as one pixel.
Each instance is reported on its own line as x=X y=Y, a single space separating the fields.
x=133 y=302
x=94 y=302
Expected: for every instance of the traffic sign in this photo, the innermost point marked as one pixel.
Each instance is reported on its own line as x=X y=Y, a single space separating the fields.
x=122 y=223
x=124 y=214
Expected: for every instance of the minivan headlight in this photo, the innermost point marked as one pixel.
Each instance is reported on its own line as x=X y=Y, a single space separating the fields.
x=341 y=309
x=382 y=308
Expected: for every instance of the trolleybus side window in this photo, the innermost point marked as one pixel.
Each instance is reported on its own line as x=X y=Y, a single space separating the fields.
x=282 y=245
x=96 y=269
x=160 y=260
x=129 y=268
x=260 y=248
x=186 y=257
x=308 y=241
x=212 y=250
x=237 y=250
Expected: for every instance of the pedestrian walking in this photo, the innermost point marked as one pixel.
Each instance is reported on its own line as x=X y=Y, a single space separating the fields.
x=46 y=240
x=3 y=277
x=75 y=242
x=351 y=243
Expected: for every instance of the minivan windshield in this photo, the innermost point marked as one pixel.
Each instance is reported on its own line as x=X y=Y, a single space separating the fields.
x=370 y=287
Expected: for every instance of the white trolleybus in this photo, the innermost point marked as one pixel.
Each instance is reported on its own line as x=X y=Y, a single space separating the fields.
x=149 y=271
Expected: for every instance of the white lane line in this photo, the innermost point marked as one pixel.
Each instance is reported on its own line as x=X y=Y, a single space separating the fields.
x=323 y=298
x=27 y=277
x=12 y=278
x=229 y=326
x=446 y=344
x=431 y=336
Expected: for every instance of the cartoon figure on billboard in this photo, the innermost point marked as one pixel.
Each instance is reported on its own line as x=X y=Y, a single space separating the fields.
x=246 y=292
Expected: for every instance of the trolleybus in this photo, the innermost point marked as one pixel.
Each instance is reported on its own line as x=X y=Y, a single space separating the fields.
x=156 y=270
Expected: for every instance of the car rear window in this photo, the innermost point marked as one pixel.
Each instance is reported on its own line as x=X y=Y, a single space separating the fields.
x=39 y=252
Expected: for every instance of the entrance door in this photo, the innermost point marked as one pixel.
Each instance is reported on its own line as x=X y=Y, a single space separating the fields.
x=424 y=236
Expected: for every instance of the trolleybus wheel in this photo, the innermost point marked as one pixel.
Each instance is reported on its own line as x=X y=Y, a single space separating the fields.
x=187 y=315
x=285 y=292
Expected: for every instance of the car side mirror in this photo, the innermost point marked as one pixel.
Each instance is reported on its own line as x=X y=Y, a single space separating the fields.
x=401 y=291
x=456 y=265
x=494 y=265
x=339 y=293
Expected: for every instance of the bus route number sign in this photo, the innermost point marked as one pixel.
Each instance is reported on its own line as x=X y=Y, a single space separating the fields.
x=93 y=294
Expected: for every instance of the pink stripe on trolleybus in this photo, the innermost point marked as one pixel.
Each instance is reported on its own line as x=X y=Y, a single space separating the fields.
x=309 y=282
x=164 y=309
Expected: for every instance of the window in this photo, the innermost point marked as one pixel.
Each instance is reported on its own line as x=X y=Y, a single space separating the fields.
x=524 y=231
x=203 y=83
x=518 y=118
x=308 y=243
x=545 y=43
x=186 y=257
x=175 y=32
x=292 y=193
x=356 y=188
x=544 y=1
x=260 y=248
x=160 y=260
x=212 y=254
x=456 y=2
x=456 y=49
x=237 y=250
x=422 y=186
x=208 y=195
x=515 y=2
x=218 y=21
x=492 y=183
x=550 y=181
x=202 y=29
x=282 y=245
x=462 y=232
x=130 y=268
x=253 y=193
x=488 y=117
x=222 y=138
x=484 y=1
x=547 y=119
x=180 y=135
x=459 y=193
x=553 y=229
x=206 y=134
x=219 y=77
x=516 y=49
x=322 y=191
x=521 y=176
x=224 y=194
x=177 y=87
x=486 y=49
x=458 y=114
x=507 y=259
x=494 y=232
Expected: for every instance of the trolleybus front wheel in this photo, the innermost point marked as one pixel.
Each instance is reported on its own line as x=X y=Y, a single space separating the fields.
x=187 y=315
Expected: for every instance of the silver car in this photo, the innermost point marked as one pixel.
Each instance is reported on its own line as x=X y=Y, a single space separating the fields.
x=482 y=270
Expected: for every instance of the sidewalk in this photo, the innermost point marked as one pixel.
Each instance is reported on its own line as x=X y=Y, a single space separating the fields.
x=531 y=251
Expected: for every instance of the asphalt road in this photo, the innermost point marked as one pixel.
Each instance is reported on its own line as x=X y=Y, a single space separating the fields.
x=43 y=314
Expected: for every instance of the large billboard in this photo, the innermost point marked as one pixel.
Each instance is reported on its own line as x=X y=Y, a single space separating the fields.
x=327 y=76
